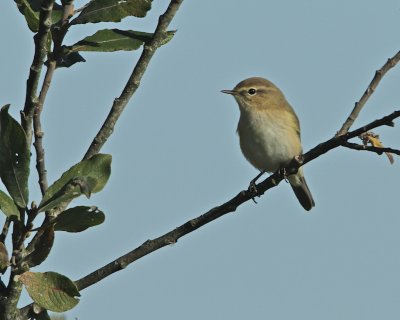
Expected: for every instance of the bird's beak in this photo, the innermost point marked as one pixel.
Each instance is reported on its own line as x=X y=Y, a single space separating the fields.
x=232 y=92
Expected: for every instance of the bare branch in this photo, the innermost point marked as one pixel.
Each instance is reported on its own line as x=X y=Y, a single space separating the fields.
x=370 y=90
x=339 y=140
x=134 y=80
x=229 y=206
x=37 y=126
x=36 y=67
x=4 y=232
x=361 y=147
x=58 y=36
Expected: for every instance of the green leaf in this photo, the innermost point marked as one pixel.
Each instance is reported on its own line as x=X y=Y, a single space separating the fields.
x=78 y=219
x=51 y=290
x=40 y=248
x=14 y=158
x=86 y=177
x=31 y=16
x=112 y=10
x=108 y=40
x=8 y=206
x=31 y=9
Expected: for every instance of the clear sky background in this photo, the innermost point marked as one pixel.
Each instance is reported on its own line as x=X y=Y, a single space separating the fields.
x=176 y=155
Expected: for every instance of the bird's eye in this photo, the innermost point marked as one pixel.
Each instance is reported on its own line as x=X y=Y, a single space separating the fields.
x=252 y=91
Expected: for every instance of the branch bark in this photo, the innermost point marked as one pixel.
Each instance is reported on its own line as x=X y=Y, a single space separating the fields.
x=229 y=206
x=134 y=80
x=37 y=127
x=370 y=90
x=5 y=229
x=379 y=151
x=36 y=67
x=58 y=33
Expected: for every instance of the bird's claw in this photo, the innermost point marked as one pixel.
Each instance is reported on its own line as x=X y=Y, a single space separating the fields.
x=252 y=189
x=283 y=172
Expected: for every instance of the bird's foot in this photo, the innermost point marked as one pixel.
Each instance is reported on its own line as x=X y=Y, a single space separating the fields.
x=284 y=173
x=253 y=187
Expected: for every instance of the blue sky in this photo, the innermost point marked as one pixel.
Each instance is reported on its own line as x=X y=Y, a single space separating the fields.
x=176 y=155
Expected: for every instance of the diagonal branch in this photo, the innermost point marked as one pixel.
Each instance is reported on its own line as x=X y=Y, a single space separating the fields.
x=370 y=90
x=134 y=80
x=121 y=102
x=340 y=140
x=229 y=206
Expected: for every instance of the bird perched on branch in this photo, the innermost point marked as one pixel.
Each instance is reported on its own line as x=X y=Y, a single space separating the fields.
x=269 y=132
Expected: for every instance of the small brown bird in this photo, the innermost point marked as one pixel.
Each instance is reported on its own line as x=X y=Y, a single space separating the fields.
x=269 y=132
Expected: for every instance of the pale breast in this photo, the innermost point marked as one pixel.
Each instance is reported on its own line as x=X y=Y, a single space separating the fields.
x=268 y=140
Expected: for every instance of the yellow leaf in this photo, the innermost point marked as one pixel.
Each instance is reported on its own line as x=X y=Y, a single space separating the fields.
x=373 y=139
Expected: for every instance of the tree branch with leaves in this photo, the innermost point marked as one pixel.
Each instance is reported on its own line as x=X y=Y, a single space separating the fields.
x=50 y=23
x=32 y=242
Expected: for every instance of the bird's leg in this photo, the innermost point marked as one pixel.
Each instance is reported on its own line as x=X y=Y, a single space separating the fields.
x=252 y=186
x=283 y=172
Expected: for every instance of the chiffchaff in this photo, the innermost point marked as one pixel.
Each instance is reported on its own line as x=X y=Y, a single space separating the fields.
x=269 y=132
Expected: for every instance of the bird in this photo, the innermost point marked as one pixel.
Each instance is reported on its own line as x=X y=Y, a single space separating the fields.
x=269 y=132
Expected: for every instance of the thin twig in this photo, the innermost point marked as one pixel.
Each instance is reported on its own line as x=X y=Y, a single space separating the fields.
x=58 y=36
x=36 y=67
x=37 y=127
x=58 y=32
x=370 y=90
x=134 y=80
x=5 y=229
x=361 y=147
x=229 y=206
x=339 y=140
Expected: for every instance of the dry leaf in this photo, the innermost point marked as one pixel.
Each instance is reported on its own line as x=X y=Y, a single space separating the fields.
x=373 y=139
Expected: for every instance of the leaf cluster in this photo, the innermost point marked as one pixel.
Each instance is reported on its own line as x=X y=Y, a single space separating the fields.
x=86 y=177
x=95 y=11
x=50 y=21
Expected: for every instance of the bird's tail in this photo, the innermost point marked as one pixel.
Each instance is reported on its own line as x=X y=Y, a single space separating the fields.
x=301 y=190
